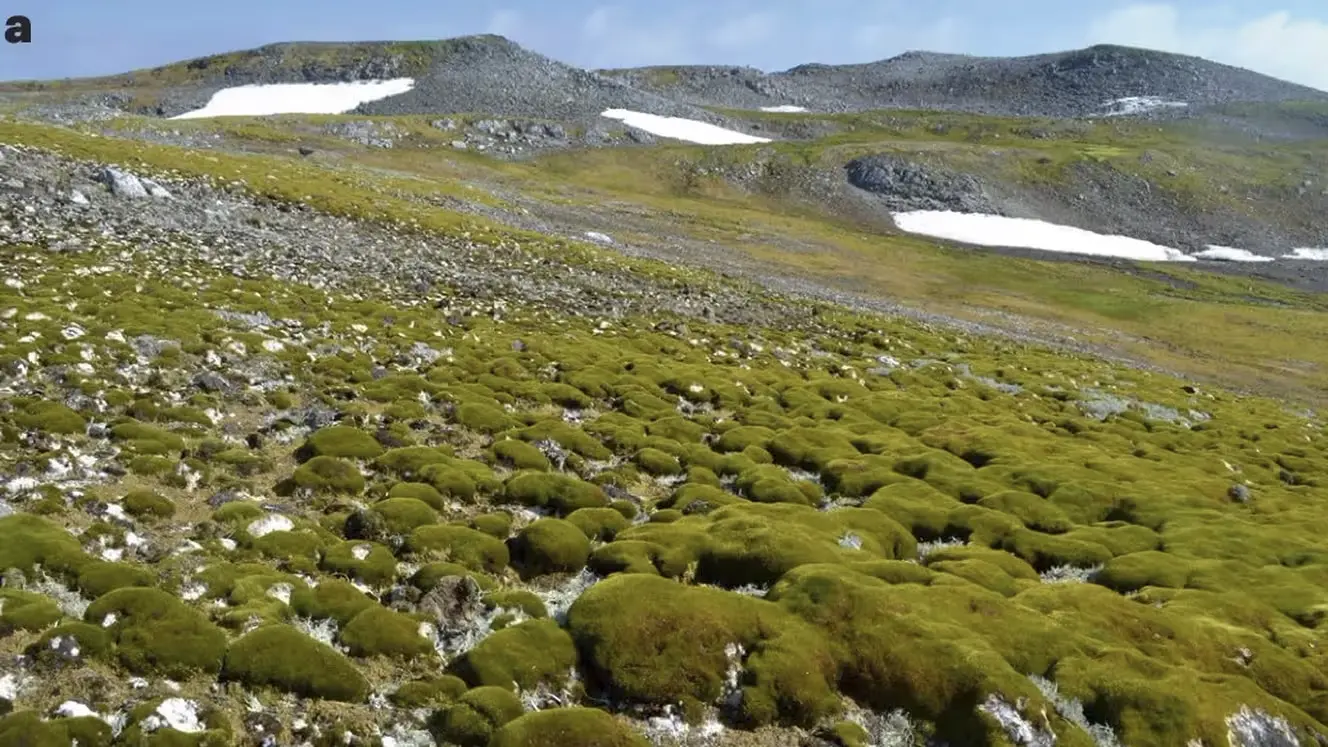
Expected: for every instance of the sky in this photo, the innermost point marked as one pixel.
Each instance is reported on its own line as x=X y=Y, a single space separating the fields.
x=71 y=38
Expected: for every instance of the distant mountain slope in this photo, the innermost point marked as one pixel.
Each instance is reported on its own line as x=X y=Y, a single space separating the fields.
x=1074 y=83
x=493 y=75
x=472 y=74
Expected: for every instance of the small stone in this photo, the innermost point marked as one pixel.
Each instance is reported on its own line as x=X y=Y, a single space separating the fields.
x=210 y=381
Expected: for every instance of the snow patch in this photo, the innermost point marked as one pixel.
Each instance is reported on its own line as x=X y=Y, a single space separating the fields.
x=1231 y=254
x=784 y=109
x=1139 y=105
x=1029 y=233
x=1313 y=255
x=297 y=98
x=677 y=128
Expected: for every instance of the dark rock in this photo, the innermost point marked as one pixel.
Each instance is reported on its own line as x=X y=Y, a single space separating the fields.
x=455 y=602
x=403 y=598
x=389 y=439
x=223 y=497
x=263 y=729
x=211 y=381
x=905 y=185
x=363 y=524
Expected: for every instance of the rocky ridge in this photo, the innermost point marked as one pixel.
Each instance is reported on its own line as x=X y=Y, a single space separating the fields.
x=495 y=76
x=1093 y=82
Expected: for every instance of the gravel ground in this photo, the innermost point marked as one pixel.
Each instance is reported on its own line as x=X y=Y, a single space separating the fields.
x=70 y=206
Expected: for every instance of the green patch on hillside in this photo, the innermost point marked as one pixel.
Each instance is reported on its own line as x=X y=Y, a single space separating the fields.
x=806 y=521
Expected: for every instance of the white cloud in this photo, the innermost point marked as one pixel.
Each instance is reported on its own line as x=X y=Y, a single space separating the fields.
x=744 y=31
x=505 y=22
x=596 y=25
x=624 y=39
x=1278 y=44
x=880 y=40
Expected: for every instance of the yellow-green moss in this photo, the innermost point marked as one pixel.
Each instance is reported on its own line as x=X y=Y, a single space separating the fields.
x=584 y=727
x=283 y=658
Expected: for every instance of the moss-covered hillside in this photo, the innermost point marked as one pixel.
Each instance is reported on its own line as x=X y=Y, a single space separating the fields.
x=237 y=508
x=309 y=440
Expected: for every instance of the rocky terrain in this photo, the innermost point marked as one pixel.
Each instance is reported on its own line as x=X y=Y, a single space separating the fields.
x=493 y=75
x=1102 y=80
x=496 y=429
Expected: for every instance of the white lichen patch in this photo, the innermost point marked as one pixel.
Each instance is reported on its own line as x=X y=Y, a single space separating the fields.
x=269 y=524
x=1068 y=574
x=1018 y=727
x=1250 y=727
x=9 y=686
x=559 y=599
x=927 y=548
x=175 y=713
x=1072 y=710
x=281 y=592
x=323 y=631
x=75 y=709
x=668 y=727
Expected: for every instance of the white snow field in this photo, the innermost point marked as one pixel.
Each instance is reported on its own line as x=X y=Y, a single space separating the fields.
x=1139 y=105
x=1028 y=233
x=297 y=98
x=677 y=128
x=1231 y=254
x=783 y=109
x=1316 y=255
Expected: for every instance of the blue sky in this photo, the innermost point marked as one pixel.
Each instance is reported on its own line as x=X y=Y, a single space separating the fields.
x=1288 y=39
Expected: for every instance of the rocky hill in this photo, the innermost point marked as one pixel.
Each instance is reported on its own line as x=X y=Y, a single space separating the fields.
x=442 y=425
x=494 y=75
x=488 y=74
x=1096 y=81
